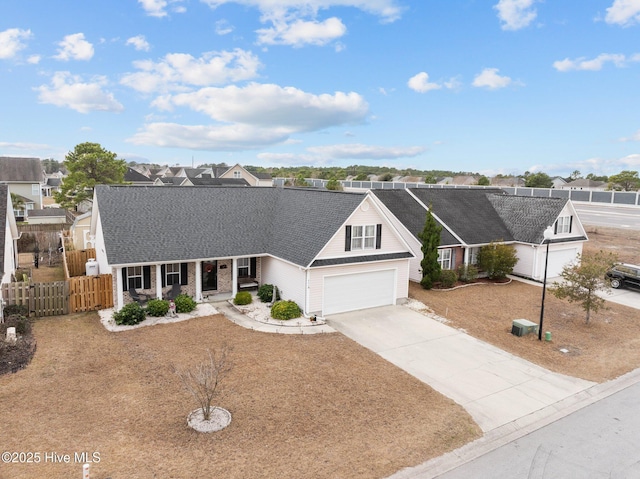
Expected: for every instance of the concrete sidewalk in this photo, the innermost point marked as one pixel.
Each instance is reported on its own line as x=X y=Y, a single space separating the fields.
x=495 y=387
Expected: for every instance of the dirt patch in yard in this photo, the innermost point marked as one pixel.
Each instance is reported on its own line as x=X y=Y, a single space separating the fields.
x=602 y=350
x=312 y=406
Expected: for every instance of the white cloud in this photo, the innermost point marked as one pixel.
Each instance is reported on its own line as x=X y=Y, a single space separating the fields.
x=421 y=84
x=23 y=146
x=299 y=32
x=294 y=22
x=251 y=117
x=515 y=14
x=223 y=27
x=634 y=137
x=177 y=71
x=359 y=151
x=34 y=59
x=12 y=41
x=74 y=47
x=158 y=8
x=139 y=42
x=624 y=12
x=70 y=91
x=208 y=137
x=269 y=105
x=595 y=64
x=490 y=79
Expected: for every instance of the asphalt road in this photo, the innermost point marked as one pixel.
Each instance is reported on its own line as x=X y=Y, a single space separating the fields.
x=597 y=442
x=623 y=217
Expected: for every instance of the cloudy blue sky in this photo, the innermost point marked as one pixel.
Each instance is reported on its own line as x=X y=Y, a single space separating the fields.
x=489 y=86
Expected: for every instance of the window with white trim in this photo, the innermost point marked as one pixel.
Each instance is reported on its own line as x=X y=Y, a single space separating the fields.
x=473 y=255
x=172 y=273
x=444 y=258
x=244 y=267
x=563 y=225
x=134 y=277
x=363 y=237
x=237 y=174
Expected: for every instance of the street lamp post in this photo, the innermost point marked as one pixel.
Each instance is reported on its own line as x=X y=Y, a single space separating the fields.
x=548 y=234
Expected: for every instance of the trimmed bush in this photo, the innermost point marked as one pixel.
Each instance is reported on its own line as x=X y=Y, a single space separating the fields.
x=448 y=278
x=467 y=273
x=184 y=303
x=265 y=293
x=285 y=310
x=20 y=309
x=242 y=297
x=130 y=314
x=157 y=307
x=18 y=321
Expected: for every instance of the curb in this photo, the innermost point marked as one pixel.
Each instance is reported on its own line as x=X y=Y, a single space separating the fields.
x=514 y=430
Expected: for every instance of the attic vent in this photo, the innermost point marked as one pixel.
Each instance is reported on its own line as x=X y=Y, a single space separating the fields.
x=364 y=206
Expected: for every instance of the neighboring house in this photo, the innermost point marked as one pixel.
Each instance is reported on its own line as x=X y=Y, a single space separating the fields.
x=254 y=179
x=507 y=181
x=472 y=218
x=8 y=237
x=22 y=207
x=48 y=216
x=134 y=177
x=25 y=177
x=52 y=185
x=558 y=182
x=80 y=232
x=584 y=184
x=329 y=252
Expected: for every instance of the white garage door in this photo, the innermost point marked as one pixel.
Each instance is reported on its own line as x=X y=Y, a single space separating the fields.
x=558 y=259
x=348 y=292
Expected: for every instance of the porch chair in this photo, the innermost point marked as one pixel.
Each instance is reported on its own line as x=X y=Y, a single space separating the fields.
x=174 y=291
x=140 y=298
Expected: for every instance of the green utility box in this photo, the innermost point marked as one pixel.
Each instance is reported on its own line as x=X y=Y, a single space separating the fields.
x=522 y=327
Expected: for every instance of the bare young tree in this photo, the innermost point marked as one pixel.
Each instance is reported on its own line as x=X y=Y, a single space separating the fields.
x=584 y=279
x=203 y=380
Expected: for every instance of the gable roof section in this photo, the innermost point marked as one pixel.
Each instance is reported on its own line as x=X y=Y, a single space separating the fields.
x=468 y=212
x=528 y=216
x=147 y=224
x=219 y=182
x=20 y=170
x=134 y=176
x=411 y=213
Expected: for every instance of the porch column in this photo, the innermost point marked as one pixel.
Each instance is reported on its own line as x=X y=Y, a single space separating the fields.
x=199 y=281
x=159 y=281
x=119 y=290
x=234 y=277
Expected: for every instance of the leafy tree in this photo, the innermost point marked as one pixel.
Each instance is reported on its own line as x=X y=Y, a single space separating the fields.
x=594 y=177
x=575 y=174
x=17 y=202
x=584 y=279
x=361 y=177
x=483 y=181
x=386 y=177
x=88 y=165
x=300 y=181
x=538 y=180
x=497 y=259
x=334 y=185
x=430 y=237
x=51 y=166
x=627 y=180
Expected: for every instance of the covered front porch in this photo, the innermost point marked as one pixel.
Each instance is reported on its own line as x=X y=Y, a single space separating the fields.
x=201 y=279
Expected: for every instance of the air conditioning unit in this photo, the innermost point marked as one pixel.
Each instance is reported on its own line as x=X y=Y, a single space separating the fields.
x=522 y=327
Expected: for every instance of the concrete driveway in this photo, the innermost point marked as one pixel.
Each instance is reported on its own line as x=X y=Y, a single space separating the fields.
x=495 y=387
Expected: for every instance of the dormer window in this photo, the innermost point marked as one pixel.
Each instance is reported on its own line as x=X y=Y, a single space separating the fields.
x=563 y=225
x=361 y=237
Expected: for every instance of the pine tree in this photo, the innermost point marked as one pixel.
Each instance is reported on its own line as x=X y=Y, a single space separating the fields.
x=430 y=237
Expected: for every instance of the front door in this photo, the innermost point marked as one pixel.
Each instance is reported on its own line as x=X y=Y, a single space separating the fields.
x=209 y=275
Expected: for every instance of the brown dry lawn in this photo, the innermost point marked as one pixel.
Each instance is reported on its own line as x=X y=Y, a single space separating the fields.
x=604 y=349
x=312 y=406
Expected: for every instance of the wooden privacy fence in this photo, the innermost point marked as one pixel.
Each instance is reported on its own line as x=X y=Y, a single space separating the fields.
x=84 y=293
x=75 y=261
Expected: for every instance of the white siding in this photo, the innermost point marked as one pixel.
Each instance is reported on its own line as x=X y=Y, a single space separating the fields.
x=317 y=275
x=289 y=279
x=526 y=254
x=390 y=241
x=101 y=255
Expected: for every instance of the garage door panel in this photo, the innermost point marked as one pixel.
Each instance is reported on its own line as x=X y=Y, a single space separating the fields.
x=349 y=292
x=559 y=259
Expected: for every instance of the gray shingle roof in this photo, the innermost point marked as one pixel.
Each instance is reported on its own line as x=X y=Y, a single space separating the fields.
x=149 y=224
x=219 y=182
x=527 y=217
x=4 y=192
x=468 y=212
x=24 y=170
x=411 y=213
x=134 y=176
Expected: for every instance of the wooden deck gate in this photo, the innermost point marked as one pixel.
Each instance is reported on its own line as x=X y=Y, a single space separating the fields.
x=88 y=293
